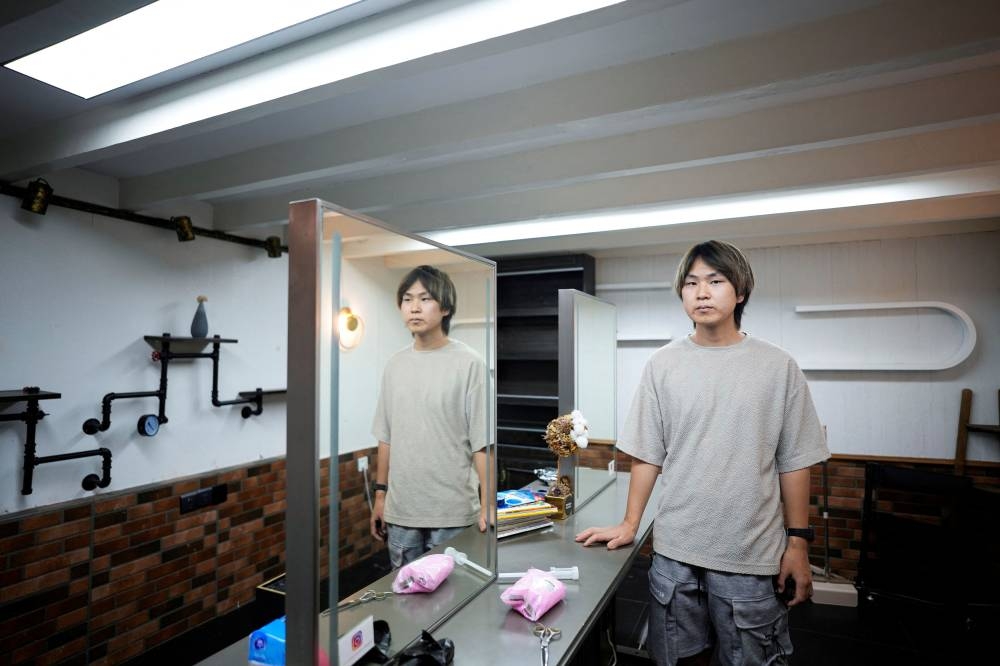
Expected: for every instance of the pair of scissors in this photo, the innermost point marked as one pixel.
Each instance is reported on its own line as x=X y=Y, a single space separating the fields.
x=369 y=595
x=546 y=635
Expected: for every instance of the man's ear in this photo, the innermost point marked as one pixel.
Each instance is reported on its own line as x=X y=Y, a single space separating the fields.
x=740 y=299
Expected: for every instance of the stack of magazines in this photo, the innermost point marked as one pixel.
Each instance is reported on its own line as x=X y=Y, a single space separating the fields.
x=520 y=511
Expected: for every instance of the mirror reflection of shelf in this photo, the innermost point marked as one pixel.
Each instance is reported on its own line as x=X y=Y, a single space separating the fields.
x=634 y=286
x=516 y=313
x=523 y=399
x=641 y=340
x=521 y=428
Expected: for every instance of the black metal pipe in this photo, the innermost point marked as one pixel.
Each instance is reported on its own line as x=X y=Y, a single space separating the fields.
x=131 y=216
x=93 y=426
x=258 y=401
x=215 y=381
x=59 y=457
x=32 y=415
x=826 y=523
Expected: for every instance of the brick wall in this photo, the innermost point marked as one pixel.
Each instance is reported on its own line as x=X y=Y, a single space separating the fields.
x=846 y=481
x=104 y=579
x=596 y=456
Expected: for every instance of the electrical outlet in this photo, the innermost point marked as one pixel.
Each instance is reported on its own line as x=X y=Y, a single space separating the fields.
x=188 y=503
x=362 y=463
x=199 y=499
x=611 y=468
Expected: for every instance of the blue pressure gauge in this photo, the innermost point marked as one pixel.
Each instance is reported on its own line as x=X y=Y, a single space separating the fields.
x=149 y=425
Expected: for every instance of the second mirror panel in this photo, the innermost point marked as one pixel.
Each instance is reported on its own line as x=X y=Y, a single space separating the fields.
x=415 y=413
x=588 y=343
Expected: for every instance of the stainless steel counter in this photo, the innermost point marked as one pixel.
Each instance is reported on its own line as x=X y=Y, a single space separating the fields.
x=487 y=632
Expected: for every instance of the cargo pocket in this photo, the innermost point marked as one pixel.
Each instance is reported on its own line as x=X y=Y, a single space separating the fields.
x=662 y=635
x=763 y=631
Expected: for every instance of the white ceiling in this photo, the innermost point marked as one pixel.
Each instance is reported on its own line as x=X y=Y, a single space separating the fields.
x=647 y=103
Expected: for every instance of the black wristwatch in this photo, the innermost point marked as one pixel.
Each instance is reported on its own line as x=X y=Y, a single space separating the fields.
x=380 y=486
x=806 y=533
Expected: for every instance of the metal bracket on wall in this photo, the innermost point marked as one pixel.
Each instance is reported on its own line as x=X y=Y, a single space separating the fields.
x=31 y=416
x=167 y=348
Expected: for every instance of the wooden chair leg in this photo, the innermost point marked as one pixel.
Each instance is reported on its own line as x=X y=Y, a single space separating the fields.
x=962 y=440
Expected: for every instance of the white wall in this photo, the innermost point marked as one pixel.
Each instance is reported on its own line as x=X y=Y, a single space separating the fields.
x=912 y=414
x=79 y=293
x=368 y=287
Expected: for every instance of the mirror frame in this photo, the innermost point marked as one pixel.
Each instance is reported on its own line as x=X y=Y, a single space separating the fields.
x=305 y=291
x=569 y=333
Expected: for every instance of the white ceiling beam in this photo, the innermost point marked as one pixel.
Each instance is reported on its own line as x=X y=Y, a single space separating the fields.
x=828 y=57
x=944 y=150
x=351 y=57
x=940 y=150
x=894 y=220
x=855 y=118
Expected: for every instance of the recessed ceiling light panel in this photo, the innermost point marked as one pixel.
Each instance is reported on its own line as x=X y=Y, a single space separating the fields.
x=159 y=37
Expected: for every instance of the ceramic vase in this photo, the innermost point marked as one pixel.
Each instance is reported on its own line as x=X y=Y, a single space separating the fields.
x=199 y=325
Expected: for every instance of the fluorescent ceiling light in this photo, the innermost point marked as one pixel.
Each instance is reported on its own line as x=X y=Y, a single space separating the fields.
x=159 y=37
x=724 y=208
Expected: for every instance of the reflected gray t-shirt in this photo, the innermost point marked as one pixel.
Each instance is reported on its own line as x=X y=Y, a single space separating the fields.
x=431 y=411
x=723 y=422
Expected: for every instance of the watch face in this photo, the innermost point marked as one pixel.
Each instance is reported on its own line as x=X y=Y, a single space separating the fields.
x=149 y=425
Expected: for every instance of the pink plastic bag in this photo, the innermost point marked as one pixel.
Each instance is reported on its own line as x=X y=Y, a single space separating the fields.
x=534 y=594
x=423 y=575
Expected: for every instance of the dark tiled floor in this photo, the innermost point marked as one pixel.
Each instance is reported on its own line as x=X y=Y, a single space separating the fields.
x=835 y=635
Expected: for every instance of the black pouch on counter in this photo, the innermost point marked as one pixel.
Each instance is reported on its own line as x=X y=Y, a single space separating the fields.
x=427 y=652
x=379 y=654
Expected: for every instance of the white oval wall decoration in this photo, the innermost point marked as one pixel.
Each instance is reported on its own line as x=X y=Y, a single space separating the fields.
x=959 y=355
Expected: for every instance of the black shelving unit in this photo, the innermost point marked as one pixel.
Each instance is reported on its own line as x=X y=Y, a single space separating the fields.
x=528 y=355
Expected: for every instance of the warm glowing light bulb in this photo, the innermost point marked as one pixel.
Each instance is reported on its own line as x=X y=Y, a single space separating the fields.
x=350 y=327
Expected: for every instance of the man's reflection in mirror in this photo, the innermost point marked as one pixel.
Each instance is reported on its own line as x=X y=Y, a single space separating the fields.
x=430 y=426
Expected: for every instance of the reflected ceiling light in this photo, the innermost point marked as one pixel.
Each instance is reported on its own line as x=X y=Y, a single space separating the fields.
x=272 y=244
x=725 y=208
x=36 y=196
x=160 y=36
x=350 y=329
x=183 y=227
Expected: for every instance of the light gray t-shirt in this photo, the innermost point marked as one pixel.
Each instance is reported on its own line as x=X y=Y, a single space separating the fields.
x=723 y=422
x=431 y=411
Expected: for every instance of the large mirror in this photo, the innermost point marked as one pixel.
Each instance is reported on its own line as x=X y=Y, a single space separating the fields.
x=404 y=398
x=588 y=344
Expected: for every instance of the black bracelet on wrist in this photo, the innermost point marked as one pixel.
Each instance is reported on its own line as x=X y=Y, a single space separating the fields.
x=380 y=486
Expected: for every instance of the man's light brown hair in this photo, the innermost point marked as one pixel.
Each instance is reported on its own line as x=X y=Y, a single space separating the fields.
x=438 y=285
x=728 y=260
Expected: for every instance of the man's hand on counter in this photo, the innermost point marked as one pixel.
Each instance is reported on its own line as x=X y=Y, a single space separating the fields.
x=616 y=536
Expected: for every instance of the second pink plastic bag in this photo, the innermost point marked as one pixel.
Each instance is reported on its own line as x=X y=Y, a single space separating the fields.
x=423 y=575
x=534 y=594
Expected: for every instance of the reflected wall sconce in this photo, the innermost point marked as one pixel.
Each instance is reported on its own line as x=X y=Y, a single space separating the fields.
x=273 y=246
x=351 y=328
x=36 y=196
x=183 y=227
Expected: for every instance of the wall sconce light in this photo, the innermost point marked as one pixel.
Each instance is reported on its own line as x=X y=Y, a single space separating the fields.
x=350 y=327
x=36 y=196
x=273 y=246
x=183 y=227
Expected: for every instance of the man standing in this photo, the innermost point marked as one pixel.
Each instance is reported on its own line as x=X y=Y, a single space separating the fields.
x=729 y=421
x=430 y=423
